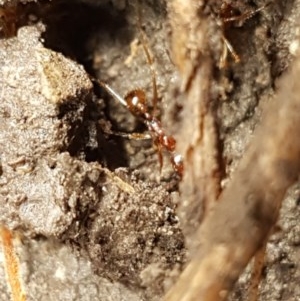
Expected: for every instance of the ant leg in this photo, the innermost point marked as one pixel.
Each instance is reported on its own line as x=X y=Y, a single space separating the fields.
x=133 y=136
x=228 y=46
x=143 y=39
x=159 y=153
x=245 y=16
x=222 y=61
x=153 y=75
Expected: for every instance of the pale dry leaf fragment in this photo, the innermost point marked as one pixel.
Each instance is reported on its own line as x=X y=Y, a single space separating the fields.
x=55 y=70
x=124 y=186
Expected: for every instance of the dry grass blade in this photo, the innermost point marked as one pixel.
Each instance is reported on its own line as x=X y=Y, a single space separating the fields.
x=11 y=265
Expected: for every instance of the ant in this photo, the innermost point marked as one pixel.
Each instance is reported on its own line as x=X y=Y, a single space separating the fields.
x=227 y=17
x=135 y=102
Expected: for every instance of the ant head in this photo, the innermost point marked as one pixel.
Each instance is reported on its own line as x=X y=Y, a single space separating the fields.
x=135 y=97
x=136 y=100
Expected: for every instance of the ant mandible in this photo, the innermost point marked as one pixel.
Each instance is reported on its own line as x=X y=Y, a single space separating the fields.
x=135 y=102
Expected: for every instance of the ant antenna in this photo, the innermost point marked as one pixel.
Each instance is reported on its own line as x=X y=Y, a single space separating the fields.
x=245 y=16
x=114 y=94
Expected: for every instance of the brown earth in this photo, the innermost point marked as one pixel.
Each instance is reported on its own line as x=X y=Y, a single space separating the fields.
x=94 y=217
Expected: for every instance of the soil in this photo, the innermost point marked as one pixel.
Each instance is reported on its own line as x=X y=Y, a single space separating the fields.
x=94 y=215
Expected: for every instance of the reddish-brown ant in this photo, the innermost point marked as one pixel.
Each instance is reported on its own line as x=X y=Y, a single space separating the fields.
x=135 y=101
x=227 y=17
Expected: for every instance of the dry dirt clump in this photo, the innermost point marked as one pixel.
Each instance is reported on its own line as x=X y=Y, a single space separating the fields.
x=93 y=216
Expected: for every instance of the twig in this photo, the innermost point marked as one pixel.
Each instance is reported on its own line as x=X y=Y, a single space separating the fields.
x=198 y=141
